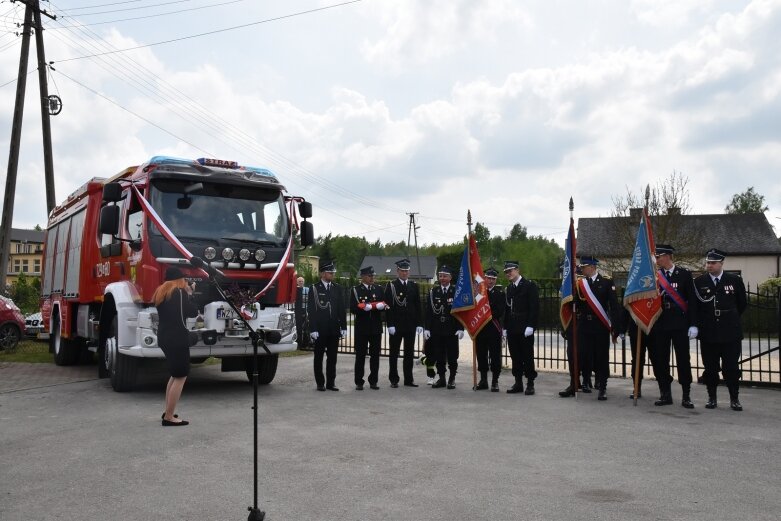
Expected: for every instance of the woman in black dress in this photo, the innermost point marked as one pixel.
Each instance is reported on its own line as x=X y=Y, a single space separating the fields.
x=174 y=306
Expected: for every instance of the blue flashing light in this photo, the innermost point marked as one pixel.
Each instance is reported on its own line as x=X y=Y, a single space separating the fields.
x=219 y=163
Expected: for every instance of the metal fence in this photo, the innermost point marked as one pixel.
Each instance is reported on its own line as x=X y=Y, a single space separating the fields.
x=759 y=361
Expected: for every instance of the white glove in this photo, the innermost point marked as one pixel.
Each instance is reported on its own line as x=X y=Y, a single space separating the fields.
x=343 y=333
x=460 y=334
x=693 y=332
x=622 y=335
x=391 y=330
x=504 y=333
x=426 y=334
x=368 y=307
x=529 y=331
x=380 y=306
x=418 y=330
x=314 y=335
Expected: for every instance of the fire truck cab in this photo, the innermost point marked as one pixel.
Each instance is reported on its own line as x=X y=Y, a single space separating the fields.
x=105 y=253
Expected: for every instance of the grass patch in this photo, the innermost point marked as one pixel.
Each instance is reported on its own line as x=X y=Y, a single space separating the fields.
x=294 y=353
x=28 y=351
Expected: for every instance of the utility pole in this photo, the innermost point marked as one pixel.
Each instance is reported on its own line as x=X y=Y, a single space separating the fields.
x=413 y=229
x=32 y=11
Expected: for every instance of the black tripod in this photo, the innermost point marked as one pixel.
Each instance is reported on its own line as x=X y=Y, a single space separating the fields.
x=258 y=338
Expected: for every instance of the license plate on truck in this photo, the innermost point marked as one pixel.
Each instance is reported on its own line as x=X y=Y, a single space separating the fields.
x=226 y=314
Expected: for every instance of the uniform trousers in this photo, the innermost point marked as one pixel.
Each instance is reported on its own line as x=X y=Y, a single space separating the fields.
x=645 y=342
x=394 y=342
x=726 y=352
x=326 y=344
x=431 y=363
x=445 y=349
x=522 y=355
x=372 y=342
x=489 y=350
x=594 y=348
x=660 y=356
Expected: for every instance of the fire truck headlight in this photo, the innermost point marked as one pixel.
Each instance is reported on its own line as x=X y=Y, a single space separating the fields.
x=227 y=254
x=286 y=323
x=149 y=340
x=260 y=255
x=210 y=253
x=244 y=254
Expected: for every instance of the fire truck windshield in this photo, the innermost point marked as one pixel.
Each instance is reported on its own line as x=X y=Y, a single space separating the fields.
x=214 y=211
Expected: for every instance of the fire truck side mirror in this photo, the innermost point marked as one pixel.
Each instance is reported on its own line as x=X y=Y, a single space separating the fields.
x=307 y=234
x=305 y=209
x=109 y=220
x=112 y=192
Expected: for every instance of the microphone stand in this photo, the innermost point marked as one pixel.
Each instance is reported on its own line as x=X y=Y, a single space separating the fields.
x=258 y=339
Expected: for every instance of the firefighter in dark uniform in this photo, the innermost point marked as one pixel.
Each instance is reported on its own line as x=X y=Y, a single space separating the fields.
x=300 y=309
x=520 y=321
x=404 y=320
x=489 y=339
x=594 y=329
x=442 y=329
x=721 y=301
x=676 y=324
x=366 y=305
x=327 y=323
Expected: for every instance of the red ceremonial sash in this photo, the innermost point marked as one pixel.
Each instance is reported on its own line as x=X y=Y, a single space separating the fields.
x=672 y=292
x=585 y=292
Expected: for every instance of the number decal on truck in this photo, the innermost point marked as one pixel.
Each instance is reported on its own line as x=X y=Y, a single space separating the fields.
x=102 y=269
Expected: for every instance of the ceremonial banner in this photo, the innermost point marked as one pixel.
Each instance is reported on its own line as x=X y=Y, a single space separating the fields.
x=471 y=305
x=642 y=297
x=568 y=276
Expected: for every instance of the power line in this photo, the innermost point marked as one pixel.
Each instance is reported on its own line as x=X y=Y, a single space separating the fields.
x=104 y=5
x=216 y=31
x=126 y=8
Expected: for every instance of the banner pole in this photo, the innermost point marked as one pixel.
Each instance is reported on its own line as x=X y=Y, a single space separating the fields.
x=574 y=284
x=474 y=344
x=637 y=364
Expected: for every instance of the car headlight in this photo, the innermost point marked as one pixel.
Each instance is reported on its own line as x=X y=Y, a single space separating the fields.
x=210 y=253
x=227 y=254
x=260 y=255
x=244 y=254
x=286 y=323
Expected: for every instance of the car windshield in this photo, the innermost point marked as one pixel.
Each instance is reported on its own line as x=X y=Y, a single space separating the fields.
x=220 y=211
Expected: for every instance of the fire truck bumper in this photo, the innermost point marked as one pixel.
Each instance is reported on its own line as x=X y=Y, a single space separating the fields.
x=200 y=350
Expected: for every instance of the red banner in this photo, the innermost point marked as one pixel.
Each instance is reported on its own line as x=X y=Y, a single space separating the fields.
x=471 y=305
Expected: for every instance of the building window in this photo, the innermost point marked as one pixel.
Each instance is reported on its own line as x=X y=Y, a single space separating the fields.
x=37 y=266
x=17 y=265
x=25 y=266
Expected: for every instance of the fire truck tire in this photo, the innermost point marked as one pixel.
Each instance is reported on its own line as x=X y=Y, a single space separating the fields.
x=122 y=369
x=66 y=351
x=267 y=368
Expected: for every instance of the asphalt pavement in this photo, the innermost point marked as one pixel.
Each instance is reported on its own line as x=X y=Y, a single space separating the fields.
x=73 y=449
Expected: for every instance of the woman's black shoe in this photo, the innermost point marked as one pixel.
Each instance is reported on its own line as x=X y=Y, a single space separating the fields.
x=162 y=416
x=167 y=423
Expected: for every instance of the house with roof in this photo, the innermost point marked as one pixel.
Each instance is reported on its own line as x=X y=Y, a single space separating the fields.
x=25 y=254
x=422 y=269
x=753 y=250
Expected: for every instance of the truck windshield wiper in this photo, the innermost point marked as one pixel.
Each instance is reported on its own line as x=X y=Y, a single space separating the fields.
x=253 y=241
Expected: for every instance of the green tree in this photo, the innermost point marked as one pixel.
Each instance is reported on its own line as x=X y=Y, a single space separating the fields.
x=517 y=233
x=747 y=202
x=25 y=292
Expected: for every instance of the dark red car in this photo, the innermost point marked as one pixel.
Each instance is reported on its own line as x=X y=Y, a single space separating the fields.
x=11 y=324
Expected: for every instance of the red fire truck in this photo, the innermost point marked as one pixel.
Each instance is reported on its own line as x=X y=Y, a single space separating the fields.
x=108 y=245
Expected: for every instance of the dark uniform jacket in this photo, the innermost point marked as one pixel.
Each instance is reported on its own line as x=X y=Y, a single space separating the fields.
x=366 y=322
x=439 y=321
x=523 y=307
x=326 y=310
x=672 y=316
x=605 y=292
x=404 y=301
x=719 y=307
x=498 y=303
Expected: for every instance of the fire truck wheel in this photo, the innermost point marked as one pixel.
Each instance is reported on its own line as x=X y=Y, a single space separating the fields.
x=66 y=351
x=9 y=336
x=267 y=368
x=122 y=369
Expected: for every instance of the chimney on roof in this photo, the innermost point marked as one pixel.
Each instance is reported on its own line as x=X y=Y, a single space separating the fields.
x=674 y=210
x=635 y=213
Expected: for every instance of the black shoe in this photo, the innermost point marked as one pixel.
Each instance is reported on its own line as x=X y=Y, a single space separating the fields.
x=321 y=387
x=162 y=416
x=451 y=385
x=438 y=384
x=375 y=387
x=495 y=386
x=665 y=399
x=515 y=389
x=566 y=393
x=409 y=384
x=586 y=386
x=394 y=385
x=180 y=423
x=632 y=395
x=686 y=402
x=529 y=388
x=359 y=387
x=481 y=385
x=602 y=396
x=735 y=405
x=712 y=403
x=331 y=387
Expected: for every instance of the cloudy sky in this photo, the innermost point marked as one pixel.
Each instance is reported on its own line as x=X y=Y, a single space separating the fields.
x=378 y=108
